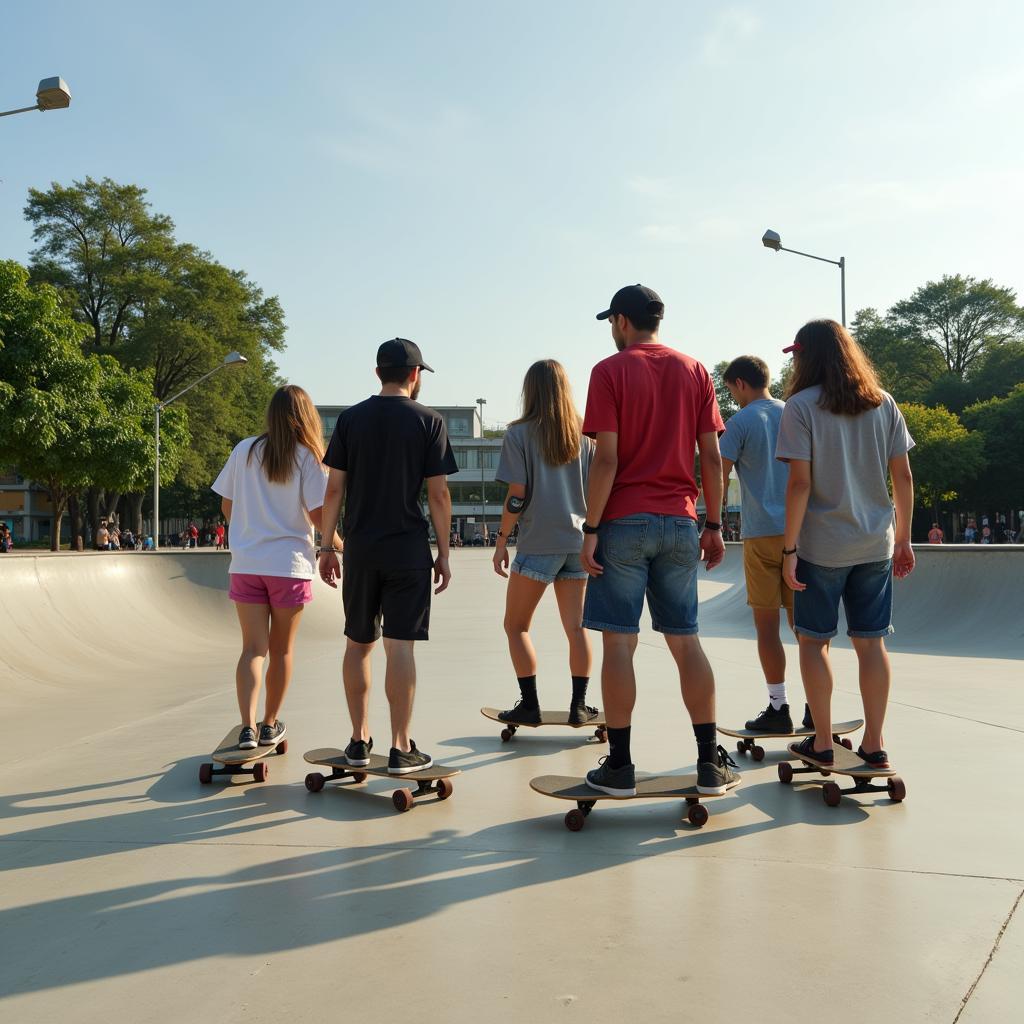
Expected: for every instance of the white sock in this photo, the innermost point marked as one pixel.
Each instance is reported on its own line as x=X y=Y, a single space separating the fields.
x=777 y=695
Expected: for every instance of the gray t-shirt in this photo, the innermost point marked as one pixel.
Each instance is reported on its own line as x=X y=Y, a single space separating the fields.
x=556 y=496
x=849 y=517
x=749 y=442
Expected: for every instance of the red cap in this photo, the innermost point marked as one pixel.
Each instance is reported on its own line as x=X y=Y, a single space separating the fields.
x=795 y=347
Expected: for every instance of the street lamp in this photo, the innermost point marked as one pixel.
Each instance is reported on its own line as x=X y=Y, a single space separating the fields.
x=481 y=402
x=771 y=240
x=231 y=359
x=52 y=94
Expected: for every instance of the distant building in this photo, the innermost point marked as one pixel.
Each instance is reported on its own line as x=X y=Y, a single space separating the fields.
x=25 y=507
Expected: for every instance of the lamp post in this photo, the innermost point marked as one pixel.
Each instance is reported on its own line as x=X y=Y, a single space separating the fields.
x=52 y=94
x=481 y=402
x=231 y=359
x=771 y=240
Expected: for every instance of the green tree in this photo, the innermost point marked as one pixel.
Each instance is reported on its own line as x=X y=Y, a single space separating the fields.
x=998 y=372
x=907 y=365
x=726 y=406
x=960 y=317
x=1001 y=422
x=946 y=456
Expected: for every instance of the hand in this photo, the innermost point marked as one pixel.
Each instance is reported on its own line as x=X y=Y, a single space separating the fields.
x=330 y=568
x=593 y=567
x=903 y=560
x=500 y=558
x=712 y=548
x=789 y=573
x=442 y=573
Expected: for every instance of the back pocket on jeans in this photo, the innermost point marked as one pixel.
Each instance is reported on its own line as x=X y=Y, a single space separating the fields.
x=623 y=540
x=685 y=543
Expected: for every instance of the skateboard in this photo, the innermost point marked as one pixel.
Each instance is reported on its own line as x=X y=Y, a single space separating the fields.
x=747 y=737
x=670 y=787
x=849 y=764
x=435 y=779
x=599 y=725
x=240 y=762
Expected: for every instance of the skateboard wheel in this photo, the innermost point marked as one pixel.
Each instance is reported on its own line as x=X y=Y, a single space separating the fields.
x=314 y=782
x=831 y=794
x=506 y=735
x=757 y=753
x=444 y=789
x=358 y=776
x=785 y=772
x=282 y=747
x=741 y=746
x=402 y=799
x=897 y=789
x=575 y=820
x=206 y=774
x=601 y=735
x=260 y=771
x=698 y=815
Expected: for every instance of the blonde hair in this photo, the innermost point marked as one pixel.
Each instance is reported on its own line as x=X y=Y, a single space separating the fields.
x=292 y=420
x=548 y=405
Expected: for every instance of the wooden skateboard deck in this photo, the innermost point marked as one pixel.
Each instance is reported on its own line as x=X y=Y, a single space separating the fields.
x=241 y=762
x=651 y=787
x=598 y=724
x=849 y=764
x=747 y=737
x=434 y=779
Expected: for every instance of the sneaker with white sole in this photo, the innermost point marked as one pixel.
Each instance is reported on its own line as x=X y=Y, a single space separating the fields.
x=613 y=781
x=717 y=777
x=402 y=763
x=357 y=753
x=247 y=738
x=271 y=734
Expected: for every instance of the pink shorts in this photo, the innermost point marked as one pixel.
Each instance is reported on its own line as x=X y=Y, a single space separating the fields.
x=277 y=591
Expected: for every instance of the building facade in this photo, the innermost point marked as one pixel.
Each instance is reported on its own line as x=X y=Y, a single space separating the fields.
x=25 y=507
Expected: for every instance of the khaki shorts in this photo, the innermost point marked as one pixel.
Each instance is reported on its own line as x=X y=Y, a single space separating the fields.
x=762 y=565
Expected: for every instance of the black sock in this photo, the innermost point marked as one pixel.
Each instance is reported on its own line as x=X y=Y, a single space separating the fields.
x=579 y=689
x=707 y=741
x=528 y=689
x=618 y=747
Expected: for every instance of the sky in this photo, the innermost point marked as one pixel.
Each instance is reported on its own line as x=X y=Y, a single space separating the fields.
x=482 y=177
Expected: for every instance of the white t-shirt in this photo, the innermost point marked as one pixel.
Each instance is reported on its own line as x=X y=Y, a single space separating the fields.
x=271 y=534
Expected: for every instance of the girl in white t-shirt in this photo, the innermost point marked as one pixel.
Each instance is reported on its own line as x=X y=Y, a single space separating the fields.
x=272 y=491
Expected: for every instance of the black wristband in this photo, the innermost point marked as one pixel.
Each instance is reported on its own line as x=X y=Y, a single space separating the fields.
x=588 y=529
x=715 y=527
x=789 y=551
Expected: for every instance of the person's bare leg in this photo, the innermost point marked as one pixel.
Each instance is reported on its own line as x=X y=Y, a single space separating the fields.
x=569 y=594
x=769 y=644
x=618 y=681
x=254 y=620
x=816 y=670
x=521 y=599
x=284 y=625
x=400 y=686
x=875 y=680
x=355 y=673
x=696 y=679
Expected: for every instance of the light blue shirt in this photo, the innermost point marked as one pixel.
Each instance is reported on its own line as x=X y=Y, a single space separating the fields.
x=749 y=442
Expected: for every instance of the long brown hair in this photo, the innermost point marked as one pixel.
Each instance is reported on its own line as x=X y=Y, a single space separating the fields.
x=548 y=405
x=292 y=420
x=826 y=354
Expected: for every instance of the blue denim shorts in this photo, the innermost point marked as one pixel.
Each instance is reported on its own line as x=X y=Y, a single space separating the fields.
x=645 y=554
x=866 y=593
x=548 y=568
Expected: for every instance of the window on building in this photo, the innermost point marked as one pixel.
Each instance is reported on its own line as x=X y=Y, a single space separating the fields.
x=461 y=457
x=460 y=425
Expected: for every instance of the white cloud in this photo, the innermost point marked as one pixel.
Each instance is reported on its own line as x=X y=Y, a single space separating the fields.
x=730 y=29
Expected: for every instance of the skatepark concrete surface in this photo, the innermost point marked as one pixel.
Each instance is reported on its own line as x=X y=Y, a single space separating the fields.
x=130 y=892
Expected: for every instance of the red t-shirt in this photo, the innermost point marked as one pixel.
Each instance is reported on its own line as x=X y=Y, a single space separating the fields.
x=657 y=400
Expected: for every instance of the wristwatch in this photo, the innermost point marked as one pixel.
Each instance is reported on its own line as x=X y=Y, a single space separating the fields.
x=588 y=529
x=716 y=527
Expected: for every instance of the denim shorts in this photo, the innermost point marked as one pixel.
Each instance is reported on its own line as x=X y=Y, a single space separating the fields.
x=866 y=593
x=645 y=554
x=548 y=568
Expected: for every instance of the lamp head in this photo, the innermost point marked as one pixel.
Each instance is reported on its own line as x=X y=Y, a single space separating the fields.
x=771 y=240
x=53 y=94
x=234 y=359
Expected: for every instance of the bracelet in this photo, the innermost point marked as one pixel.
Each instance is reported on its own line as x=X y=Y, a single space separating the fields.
x=588 y=529
x=713 y=527
x=328 y=551
x=789 y=551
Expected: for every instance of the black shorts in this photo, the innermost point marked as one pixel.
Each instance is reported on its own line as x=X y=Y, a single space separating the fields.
x=400 y=596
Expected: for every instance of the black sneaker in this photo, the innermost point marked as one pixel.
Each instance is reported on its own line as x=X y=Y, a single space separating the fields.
x=879 y=759
x=247 y=738
x=521 y=714
x=580 y=714
x=357 y=753
x=400 y=763
x=716 y=777
x=771 y=720
x=808 y=722
x=270 y=734
x=613 y=781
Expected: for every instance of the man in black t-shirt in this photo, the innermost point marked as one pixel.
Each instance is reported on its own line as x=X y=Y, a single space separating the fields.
x=380 y=454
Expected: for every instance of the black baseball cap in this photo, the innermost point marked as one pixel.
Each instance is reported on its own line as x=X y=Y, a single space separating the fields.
x=401 y=352
x=635 y=301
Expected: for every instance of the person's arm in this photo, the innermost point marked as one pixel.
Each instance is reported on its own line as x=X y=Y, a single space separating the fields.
x=727 y=465
x=334 y=498
x=798 y=493
x=712 y=546
x=225 y=508
x=509 y=517
x=603 y=467
x=440 y=502
x=903 y=560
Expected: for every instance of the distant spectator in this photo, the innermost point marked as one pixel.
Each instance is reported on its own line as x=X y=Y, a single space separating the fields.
x=219 y=534
x=986 y=535
x=6 y=540
x=103 y=537
x=935 y=534
x=193 y=535
x=147 y=544
x=971 y=533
